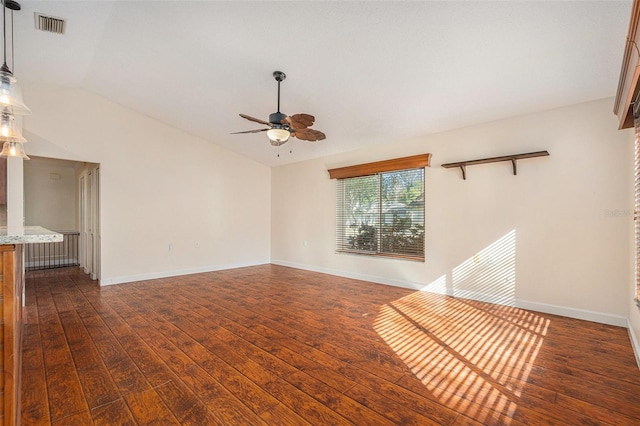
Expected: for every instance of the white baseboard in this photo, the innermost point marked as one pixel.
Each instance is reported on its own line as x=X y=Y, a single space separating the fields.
x=523 y=304
x=634 y=342
x=175 y=273
x=363 y=277
x=581 y=314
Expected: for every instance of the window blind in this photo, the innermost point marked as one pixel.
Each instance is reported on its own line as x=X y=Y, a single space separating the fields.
x=382 y=214
x=636 y=213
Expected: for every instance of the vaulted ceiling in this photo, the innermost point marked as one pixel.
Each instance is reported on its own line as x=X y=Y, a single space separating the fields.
x=371 y=72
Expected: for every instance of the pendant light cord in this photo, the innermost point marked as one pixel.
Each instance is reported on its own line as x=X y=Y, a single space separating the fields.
x=4 y=32
x=13 y=6
x=13 y=63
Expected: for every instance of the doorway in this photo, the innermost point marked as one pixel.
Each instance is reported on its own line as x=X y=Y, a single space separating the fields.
x=64 y=196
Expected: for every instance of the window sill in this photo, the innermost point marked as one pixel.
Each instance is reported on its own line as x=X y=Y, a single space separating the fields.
x=385 y=255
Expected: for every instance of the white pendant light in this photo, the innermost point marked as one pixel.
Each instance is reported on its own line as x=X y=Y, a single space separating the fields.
x=13 y=149
x=11 y=103
x=10 y=93
x=9 y=129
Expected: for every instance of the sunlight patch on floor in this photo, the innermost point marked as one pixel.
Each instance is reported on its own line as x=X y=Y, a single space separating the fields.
x=473 y=357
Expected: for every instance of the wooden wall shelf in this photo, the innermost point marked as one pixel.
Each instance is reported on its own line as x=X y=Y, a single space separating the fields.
x=513 y=158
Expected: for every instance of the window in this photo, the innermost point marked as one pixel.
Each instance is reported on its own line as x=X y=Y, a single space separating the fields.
x=382 y=213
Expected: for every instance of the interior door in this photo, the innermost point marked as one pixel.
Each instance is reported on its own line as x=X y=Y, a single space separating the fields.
x=86 y=229
x=95 y=223
x=83 y=222
x=89 y=205
x=89 y=223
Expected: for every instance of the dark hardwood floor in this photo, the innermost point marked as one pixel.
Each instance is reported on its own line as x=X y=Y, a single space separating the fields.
x=270 y=345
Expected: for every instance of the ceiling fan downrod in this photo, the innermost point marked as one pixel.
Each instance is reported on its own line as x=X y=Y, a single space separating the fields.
x=279 y=76
x=277 y=117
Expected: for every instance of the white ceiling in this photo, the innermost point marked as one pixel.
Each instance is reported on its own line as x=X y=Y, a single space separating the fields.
x=370 y=72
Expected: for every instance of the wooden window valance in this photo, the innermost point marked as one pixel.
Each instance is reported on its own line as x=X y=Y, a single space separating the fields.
x=368 y=169
x=630 y=72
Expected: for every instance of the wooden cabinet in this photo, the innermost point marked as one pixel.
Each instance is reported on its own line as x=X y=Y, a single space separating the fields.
x=11 y=282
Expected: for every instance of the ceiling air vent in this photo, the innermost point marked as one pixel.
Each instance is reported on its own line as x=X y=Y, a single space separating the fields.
x=50 y=24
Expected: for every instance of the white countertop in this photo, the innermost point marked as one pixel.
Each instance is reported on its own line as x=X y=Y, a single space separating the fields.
x=27 y=235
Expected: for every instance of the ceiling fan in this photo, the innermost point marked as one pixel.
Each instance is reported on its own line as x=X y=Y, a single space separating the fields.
x=282 y=127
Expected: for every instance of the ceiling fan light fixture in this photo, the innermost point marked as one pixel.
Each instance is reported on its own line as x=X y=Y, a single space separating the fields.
x=13 y=149
x=278 y=135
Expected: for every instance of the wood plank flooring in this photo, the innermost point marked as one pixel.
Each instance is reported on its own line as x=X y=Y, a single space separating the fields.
x=270 y=345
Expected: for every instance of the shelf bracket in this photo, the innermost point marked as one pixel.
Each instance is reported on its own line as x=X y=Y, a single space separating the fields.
x=463 y=169
x=515 y=169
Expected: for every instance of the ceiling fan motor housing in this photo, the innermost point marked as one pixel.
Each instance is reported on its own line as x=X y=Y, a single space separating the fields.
x=276 y=118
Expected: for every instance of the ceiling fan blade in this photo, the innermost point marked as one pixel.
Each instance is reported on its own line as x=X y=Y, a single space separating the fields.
x=250 y=131
x=306 y=119
x=257 y=120
x=308 y=135
x=299 y=121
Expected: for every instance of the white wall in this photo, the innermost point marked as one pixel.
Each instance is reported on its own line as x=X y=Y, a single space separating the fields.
x=554 y=238
x=171 y=203
x=50 y=194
